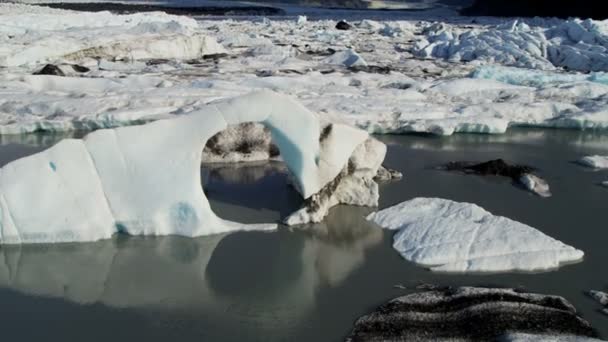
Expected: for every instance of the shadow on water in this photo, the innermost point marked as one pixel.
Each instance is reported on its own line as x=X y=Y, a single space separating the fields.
x=308 y=283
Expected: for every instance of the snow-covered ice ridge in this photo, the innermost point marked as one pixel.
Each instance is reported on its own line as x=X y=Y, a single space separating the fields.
x=450 y=236
x=145 y=180
x=367 y=76
x=537 y=44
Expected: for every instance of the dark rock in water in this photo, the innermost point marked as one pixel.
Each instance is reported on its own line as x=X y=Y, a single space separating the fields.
x=343 y=25
x=470 y=314
x=50 y=69
x=323 y=53
x=157 y=61
x=215 y=56
x=80 y=68
x=537 y=8
x=520 y=174
x=497 y=167
x=372 y=69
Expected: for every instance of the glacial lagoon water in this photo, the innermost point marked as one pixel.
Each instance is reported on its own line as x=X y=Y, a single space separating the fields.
x=303 y=284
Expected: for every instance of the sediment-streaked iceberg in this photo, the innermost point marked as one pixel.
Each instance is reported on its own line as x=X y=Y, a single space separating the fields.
x=31 y=35
x=450 y=236
x=498 y=314
x=145 y=180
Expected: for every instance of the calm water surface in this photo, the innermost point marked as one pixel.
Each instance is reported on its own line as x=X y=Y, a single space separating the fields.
x=307 y=284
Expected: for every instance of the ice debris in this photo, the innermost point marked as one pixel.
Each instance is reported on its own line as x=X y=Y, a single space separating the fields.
x=579 y=45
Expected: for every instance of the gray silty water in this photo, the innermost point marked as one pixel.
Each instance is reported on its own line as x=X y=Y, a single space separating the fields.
x=303 y=284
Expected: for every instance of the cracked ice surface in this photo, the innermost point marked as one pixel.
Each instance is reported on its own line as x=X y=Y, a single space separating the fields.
x=450 y=236
x=145 y=180
x=538 y=44
x=331 y=72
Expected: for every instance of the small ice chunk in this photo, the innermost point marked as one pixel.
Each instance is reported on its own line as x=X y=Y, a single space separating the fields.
x=348 y=58
x=302 y=19
x=601 y=297
x=596 y=162
x=536 y=185
x=462 y=237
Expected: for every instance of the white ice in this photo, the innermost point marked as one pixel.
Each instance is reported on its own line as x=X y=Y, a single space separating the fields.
x=573 y=44
x=429 y=96
x=535 y=184
x=449 y=236
x=596 y=162
x=32 y=35
x=145 y=180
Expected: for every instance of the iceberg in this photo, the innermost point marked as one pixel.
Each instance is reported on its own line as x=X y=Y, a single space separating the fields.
x=449 y=236
x=498 y=314
x=145 y=180
x=46 y=35
x=579 y=45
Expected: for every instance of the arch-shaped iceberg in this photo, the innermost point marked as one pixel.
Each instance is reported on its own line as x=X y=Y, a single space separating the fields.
x=145 y=180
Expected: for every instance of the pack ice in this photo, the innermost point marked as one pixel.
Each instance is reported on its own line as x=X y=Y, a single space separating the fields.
x=30 y=35
x=450 y=236
x=145 y=180
x=580 y=45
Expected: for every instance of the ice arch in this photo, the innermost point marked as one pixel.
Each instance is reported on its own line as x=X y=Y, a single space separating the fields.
x=145 y=180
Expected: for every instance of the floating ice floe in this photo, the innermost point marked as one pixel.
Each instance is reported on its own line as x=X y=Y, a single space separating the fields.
x=449 y=236
x=572 y=44
x=46 y=35
x=600 y=297
x=596 y=162
x=145 y=180
x=447 y=314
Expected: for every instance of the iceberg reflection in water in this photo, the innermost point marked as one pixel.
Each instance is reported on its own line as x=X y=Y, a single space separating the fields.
x=265 y=280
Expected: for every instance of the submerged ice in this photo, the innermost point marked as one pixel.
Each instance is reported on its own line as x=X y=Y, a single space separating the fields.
x=449 y=236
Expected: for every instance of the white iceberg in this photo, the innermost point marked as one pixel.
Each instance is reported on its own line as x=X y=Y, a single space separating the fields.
x=347 y=58
x=450 y=236
x=145 y=180
x=596 y=162
x=571 y=44
x=30 y=35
